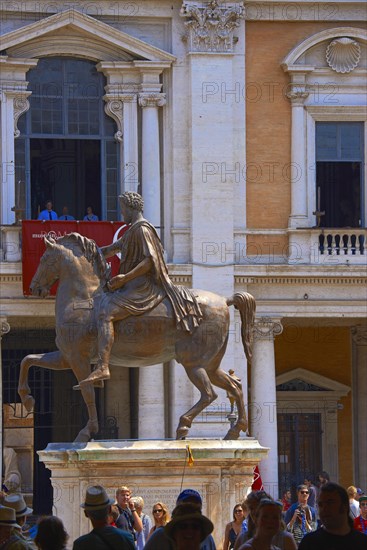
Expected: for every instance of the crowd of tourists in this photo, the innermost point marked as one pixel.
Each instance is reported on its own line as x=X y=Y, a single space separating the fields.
x=336 y=521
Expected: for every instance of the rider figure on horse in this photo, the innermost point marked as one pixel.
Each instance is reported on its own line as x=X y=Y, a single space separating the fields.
x=143 y=282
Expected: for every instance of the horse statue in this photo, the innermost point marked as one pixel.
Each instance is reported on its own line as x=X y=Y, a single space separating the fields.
x=82 y=271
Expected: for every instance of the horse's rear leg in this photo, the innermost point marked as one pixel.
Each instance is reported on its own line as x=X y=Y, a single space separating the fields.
x=53 y=360
x=234 y=387
x=200 y=379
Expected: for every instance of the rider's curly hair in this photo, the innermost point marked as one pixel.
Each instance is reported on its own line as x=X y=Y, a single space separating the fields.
x=132 y=200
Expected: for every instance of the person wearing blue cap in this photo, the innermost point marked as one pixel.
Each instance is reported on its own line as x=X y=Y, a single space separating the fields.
x=159 y=539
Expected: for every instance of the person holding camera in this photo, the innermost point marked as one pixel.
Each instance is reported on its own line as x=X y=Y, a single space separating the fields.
x=300 y=518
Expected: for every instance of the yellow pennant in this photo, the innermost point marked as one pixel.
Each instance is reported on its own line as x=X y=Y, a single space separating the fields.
x=190 y=458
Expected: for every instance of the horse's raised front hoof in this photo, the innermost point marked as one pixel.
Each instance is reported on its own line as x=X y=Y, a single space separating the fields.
x=182 y=432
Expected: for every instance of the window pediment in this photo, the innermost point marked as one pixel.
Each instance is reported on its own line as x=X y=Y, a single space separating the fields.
x=72 y=32
x=302 y=380
x=311 y=53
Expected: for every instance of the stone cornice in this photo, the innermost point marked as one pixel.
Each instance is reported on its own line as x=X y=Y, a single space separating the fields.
x=351 y=112
x=300 y=280
x=287 y=10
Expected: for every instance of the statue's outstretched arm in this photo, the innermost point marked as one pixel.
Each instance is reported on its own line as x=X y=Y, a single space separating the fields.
x=111 y=249
x=120 y=280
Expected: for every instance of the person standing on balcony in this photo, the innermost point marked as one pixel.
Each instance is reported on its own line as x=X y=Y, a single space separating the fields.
x=90 y=217
x=65 y=216
x=48 y=214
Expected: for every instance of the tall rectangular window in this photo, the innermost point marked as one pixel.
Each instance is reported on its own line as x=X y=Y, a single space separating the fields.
x=339 y=173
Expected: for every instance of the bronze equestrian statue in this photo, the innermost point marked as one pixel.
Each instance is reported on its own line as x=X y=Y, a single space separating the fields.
x=136 y=319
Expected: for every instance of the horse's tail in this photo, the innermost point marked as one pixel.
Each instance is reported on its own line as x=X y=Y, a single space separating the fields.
x=246 y=305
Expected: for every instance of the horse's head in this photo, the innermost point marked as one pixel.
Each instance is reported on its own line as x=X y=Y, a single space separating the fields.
x=48 y=271
x=75 y=256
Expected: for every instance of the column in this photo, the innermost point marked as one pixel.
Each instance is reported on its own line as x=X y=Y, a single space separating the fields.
x=151 y=402
x=4 y=329
x=263 y=409
x=359 y=384
x=150 y=172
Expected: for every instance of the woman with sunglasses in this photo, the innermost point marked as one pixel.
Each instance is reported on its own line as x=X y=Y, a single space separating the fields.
x=233 y=528
x=160 y=516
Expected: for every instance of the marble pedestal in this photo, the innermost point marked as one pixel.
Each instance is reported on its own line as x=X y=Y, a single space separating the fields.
x=154 y=469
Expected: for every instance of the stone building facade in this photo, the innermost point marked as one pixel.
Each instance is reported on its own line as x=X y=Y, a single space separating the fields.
x=243 y=125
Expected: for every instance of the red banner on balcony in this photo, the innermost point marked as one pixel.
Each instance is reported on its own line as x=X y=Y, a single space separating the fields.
x=33 y=246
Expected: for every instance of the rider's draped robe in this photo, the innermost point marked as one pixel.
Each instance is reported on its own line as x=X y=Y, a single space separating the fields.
x=145 y=292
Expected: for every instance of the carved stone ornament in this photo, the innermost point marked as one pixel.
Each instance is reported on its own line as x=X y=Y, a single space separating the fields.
x=21 y=106
x=211 y=25
x=4 y=327
x=343 y=55
x=297 y=97
x=266 y=328
x=114 y=109
x=152 y=99
x=359 y=335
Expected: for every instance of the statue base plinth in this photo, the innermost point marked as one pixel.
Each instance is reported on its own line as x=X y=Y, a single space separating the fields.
x=154 y=469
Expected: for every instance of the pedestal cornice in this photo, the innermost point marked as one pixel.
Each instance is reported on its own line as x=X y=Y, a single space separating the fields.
x=205 y=451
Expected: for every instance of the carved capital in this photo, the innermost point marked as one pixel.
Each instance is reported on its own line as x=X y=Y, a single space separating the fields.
x=152 y=100
x=21 y=106
x=297 y=97
x=359 y=335
x=266 y=328
x=4 y=327
x=114 y=108
x=211 y=25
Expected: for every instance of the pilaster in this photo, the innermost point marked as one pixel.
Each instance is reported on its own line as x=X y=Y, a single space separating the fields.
x=13 y=103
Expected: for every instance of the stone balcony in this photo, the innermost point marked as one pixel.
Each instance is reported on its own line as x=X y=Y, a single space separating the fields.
x=313 y=246
x=327 y=246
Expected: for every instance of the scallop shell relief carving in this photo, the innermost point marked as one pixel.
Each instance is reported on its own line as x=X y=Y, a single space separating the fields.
x=343 y=55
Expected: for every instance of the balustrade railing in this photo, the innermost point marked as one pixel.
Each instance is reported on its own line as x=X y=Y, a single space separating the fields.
x=342 y=242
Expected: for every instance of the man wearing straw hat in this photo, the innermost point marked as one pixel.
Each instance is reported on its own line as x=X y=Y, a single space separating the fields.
x=9 y=539
x=97 y=507
x=17 y=502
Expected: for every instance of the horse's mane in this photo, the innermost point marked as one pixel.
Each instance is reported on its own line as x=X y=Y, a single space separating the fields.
x=90 y=250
